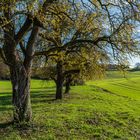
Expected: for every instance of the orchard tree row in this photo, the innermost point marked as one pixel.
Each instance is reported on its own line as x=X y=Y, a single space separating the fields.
x=69 y=38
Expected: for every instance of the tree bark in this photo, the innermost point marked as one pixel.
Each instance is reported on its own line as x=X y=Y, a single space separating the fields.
x=21 y=94
x=67 y=84
x=59 y=80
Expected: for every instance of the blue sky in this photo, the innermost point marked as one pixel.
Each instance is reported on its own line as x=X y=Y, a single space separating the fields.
x=134 y=60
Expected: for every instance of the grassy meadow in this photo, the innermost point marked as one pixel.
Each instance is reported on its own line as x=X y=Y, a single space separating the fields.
x=107 y=109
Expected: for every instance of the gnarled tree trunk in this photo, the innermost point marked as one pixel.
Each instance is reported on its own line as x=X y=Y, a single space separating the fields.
x=21 y=93
x=20 y=64
x=67 y=84
x=59 y=80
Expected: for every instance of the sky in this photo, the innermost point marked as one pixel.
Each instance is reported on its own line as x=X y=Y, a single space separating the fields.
x=133 y=61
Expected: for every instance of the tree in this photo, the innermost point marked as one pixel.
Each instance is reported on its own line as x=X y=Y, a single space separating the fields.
x=93 y=26
x=93 y=23
x=83 y=22
x=20 y=22
x=82 y=65
x=60 y=33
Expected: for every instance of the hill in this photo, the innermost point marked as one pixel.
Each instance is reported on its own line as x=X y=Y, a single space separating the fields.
x=103 y=109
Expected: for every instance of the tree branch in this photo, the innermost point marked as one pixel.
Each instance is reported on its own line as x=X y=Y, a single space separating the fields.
x=23 y=30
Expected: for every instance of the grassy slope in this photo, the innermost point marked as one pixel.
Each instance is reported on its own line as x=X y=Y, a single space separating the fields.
x=105 y=109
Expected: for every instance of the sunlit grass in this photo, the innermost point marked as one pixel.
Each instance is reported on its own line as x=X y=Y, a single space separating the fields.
x=102 y=109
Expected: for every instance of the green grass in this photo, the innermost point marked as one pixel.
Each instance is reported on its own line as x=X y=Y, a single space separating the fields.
x=106 y=109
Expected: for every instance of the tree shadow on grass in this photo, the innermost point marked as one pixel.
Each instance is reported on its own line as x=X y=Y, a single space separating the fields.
x=9 y=127
x=5 y=102
x=37 y=96
x=42 y=88
x=6 y=124
x=45 y=96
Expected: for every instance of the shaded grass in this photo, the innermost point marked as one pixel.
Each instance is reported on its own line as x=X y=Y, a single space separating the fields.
x=106 y=109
